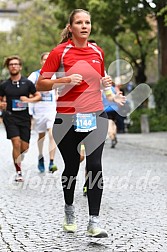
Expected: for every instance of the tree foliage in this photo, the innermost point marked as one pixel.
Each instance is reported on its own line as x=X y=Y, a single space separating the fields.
x=163 y=12
x=35 y=32
x=160 y=91
x=130 y=24
x=120 y=19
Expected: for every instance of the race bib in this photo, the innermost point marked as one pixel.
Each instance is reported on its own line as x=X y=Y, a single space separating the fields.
x=47 y=97
x=85 y=122
x=18 y=105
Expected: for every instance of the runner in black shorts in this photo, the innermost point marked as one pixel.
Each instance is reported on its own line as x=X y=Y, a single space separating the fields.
x=14 y=98
x=16 y=126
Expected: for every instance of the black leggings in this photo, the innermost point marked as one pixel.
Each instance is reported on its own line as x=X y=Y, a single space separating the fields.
x=69 y=142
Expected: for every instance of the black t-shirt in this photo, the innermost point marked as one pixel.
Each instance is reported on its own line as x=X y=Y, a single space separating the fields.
x=24 y=87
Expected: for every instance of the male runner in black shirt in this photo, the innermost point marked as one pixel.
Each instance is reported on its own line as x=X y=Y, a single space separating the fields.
x=15 y=94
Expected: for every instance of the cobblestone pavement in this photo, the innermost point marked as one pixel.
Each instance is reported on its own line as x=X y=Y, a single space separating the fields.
x=133 y=210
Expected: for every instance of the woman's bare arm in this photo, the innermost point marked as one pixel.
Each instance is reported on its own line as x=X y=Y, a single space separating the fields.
x=44 y=84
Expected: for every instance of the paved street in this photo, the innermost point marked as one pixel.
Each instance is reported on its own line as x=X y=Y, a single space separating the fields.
x=134 y=204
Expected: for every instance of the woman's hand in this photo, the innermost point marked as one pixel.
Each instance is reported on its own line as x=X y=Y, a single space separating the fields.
x=75 y=79
x=107 y=81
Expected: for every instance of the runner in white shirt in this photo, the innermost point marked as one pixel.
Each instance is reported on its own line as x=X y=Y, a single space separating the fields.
x=43 y=113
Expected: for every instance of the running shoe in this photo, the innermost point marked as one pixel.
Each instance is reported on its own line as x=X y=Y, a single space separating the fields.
x=18 y=177
x=69 y=224
x=52 y=168
x=113 y=142
x=41 y=166
x=94 y=230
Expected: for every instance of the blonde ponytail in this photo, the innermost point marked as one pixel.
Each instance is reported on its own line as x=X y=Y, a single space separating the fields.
x=66 y=34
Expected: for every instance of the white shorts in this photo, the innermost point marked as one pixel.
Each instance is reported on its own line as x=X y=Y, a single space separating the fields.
x=43 y=122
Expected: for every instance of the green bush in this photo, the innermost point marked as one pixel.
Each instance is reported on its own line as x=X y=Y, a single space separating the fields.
x=157 y=117
x=160 y=92
x=157 y=121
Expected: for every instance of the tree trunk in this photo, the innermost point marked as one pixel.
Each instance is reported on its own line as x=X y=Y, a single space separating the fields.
x=162 y=46
x=140 y=76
